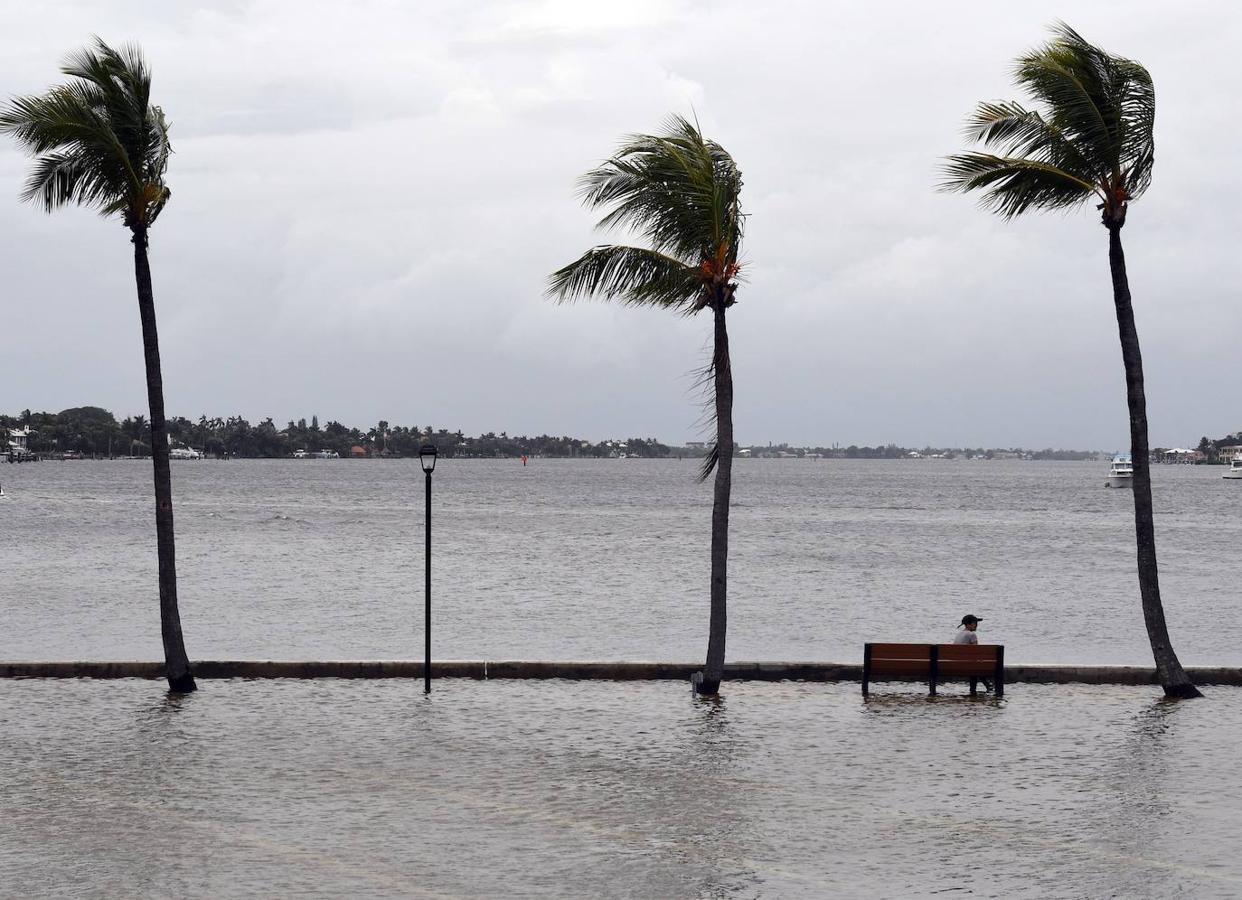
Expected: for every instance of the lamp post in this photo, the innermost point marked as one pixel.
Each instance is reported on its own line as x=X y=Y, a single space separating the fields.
x=427 y=458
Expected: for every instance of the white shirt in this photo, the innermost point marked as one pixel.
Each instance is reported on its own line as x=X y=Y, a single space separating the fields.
x=965 y=637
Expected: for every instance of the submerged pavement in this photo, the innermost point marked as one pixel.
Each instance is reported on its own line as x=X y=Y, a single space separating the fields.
x=580 y=670
x=614 y=789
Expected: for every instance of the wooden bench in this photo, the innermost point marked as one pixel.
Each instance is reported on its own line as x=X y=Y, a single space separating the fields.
x=935 y=662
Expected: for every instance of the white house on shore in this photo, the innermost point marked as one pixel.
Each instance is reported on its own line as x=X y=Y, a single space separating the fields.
x=1179 y=455
x=17 y=439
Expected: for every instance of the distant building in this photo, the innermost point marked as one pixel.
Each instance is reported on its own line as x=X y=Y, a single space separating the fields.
x=1178 y=455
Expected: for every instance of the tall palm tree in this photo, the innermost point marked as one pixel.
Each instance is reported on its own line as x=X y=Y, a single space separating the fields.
x=1092 y=140
x=680 y=192
x=98 y=142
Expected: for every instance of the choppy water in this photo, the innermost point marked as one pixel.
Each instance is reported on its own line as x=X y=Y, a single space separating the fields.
x=557 y=789
x=608 y=559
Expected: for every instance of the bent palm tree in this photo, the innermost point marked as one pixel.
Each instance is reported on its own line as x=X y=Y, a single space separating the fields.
x=1092 y=141
x=681 y=192
x=98 y=142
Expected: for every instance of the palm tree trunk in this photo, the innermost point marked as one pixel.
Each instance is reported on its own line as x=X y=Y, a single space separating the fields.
x=723 y=371
x=1169 y=670
x=176 y=663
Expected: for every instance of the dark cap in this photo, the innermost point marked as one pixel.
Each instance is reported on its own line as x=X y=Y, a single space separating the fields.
x=971 y=620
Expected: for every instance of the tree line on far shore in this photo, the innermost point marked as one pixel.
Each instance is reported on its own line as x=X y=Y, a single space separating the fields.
x=95 y=432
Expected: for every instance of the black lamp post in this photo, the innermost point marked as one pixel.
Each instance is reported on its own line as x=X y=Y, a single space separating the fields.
x=427 y=457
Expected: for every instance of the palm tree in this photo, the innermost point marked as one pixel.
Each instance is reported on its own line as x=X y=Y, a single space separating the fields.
x=98 y=142
x=1091 y=141
x=681 y=193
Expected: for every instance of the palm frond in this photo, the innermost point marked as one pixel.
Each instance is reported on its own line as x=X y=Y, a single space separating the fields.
x=1011 y=186
x=1065 y=75
x=709 y=463
x=705 y=384
x=62 y=178
x=1138 y=122
x=633 y=276
x=1016 y=131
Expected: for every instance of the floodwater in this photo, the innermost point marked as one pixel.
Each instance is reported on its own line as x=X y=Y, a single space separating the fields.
x=608 y=559
x=560 y=789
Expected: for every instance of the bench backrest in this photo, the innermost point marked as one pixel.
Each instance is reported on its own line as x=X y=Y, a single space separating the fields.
x=915 y=659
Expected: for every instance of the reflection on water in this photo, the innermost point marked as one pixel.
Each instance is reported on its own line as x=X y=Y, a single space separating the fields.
x=722 y=849
x=1140 y=779
x=371 y=789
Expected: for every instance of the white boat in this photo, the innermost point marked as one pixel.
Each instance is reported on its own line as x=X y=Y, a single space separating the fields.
x=184 y=453
x=1121 y=472
x=326 y=454
x=300 y=454
x=1235 y=468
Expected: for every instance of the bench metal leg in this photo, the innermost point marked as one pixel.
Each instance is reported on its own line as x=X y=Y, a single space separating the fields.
x=974 y=686
x=1000 y=671
x=934 y=675
x=866 y=673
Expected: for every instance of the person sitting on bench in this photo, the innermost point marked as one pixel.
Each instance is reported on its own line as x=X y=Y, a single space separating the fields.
x=965 y=634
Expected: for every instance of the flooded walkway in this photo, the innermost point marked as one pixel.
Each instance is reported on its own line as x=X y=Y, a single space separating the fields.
x=370 y=789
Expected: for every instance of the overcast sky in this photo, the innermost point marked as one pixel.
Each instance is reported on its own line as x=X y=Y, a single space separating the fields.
x=368 y=198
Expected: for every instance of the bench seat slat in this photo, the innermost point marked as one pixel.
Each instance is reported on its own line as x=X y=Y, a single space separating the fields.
x=900 y=667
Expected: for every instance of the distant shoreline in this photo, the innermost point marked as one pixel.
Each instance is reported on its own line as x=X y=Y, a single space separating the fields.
x=675 y=457
x=94 y=432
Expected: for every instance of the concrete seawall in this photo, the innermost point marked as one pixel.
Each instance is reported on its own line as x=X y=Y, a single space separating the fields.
x=608 y=671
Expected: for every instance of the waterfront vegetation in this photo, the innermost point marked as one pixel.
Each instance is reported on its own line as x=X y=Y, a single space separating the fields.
x=97 y=141
x=682 y=193
x=95 y=433
x=1091 y=140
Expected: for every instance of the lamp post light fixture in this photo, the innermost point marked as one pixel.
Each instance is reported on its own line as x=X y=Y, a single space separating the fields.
x=427 y=458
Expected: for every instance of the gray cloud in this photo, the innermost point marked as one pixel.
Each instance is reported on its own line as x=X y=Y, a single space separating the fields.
x=367 y=193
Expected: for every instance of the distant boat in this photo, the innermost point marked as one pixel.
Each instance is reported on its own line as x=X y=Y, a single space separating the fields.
x=326 y=454
x=1121 y=472
x=184 y=453
x=1235 y=468
x=300 y=454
